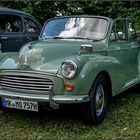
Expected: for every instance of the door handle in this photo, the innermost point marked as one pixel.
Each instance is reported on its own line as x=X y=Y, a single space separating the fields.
x=29 y=38
x=4 y=37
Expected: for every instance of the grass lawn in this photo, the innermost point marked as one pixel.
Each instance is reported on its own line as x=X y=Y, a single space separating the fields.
x=122 y=122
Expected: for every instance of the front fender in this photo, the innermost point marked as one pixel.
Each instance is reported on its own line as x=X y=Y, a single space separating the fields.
x=93 y=67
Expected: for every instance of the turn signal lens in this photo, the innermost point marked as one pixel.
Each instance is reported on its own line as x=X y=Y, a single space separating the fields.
x=68 y=86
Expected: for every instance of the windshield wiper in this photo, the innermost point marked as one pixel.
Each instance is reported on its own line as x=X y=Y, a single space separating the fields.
x=87 y=38
x=69 y=37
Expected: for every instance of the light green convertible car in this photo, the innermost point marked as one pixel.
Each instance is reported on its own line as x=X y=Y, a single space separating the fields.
x=77 y=59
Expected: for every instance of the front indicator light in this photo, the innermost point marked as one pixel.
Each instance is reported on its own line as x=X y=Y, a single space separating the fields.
x=69 y=86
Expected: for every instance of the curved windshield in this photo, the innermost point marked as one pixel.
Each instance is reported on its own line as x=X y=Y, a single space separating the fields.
x=76 y=27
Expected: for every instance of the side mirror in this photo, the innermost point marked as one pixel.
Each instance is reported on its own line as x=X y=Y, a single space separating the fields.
x=112 y=37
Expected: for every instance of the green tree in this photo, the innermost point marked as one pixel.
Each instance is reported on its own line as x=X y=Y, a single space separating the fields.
x=44 y=10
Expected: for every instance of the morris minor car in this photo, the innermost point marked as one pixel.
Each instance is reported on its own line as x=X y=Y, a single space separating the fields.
x=77 y=60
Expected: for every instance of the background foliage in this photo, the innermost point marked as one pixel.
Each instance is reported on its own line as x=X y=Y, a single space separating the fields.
x=43 y=10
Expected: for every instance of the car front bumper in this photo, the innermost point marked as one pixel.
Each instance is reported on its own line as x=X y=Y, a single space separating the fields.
x=53 y=100
x=18 y=84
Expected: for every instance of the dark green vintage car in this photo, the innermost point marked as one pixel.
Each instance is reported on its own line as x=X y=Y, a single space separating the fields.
x=77 y=59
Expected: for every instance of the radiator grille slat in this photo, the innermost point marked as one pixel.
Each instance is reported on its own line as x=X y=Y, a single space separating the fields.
x=28 y=84
x=24 y=78
x=25 y=81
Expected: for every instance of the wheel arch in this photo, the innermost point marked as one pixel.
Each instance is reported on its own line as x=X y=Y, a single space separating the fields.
x=109 y=83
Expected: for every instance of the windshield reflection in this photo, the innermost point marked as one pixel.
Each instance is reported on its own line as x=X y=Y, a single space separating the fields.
x=94 y=28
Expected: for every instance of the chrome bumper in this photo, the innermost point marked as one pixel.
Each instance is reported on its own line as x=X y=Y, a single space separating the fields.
x=53 y=100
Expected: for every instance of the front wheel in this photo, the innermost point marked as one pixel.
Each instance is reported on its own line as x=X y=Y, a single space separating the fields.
x=95 y=109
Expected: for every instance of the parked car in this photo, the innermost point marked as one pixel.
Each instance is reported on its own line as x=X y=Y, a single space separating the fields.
x=16 y=29
x=77 y=59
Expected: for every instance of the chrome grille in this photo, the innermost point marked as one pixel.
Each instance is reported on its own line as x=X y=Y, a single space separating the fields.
x=26 y=83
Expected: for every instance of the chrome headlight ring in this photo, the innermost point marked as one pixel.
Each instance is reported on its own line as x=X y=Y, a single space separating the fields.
x=69 y=69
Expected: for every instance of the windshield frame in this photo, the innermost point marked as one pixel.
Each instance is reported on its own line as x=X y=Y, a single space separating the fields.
x=80 y=16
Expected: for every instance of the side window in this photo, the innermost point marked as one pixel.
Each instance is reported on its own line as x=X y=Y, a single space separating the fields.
x=31 y=26
x=113 y=33
x=10 y=23
x=121 y=30
x=131 y=32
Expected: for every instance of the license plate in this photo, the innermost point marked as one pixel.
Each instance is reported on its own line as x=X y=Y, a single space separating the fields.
x=20 y=104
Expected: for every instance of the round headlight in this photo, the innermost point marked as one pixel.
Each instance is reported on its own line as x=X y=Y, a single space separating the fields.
x=69 y=69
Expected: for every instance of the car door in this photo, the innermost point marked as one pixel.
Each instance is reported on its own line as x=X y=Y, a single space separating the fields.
x=32 y=28
x=12 y=35
x=125 y=48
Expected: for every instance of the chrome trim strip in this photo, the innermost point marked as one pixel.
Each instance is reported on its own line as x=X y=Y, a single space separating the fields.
x=70 y=99
x=5 y=80
x=60 y=99
x=18 y=73
x=28 y=91
x=19 y=78
x=28 y=85
x=3 y=72
x=21 y=87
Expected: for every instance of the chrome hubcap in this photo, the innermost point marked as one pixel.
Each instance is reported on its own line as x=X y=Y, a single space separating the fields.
x=99 y=100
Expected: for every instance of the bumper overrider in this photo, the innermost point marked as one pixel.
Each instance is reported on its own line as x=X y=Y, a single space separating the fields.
x=50 y=97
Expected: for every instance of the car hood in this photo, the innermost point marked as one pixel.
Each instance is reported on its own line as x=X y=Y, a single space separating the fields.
x=47 y=55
